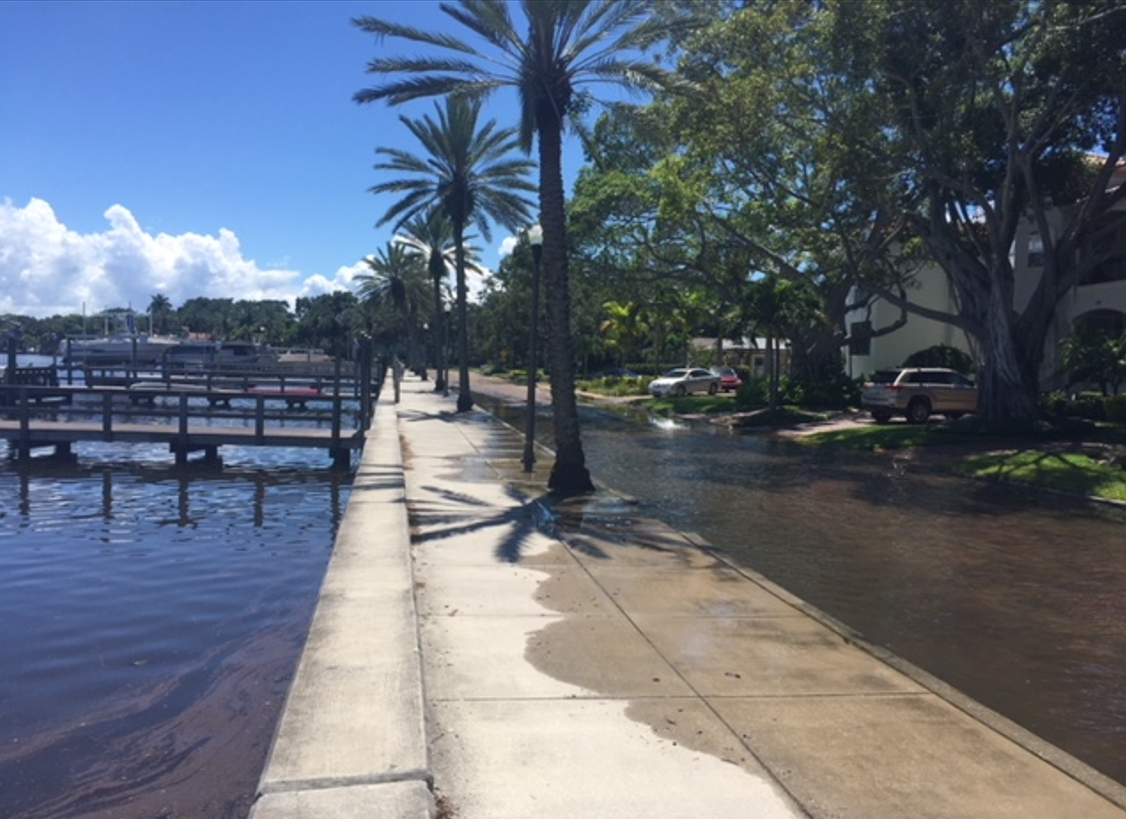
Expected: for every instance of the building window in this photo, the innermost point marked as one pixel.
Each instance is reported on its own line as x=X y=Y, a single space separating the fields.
x=860 y=338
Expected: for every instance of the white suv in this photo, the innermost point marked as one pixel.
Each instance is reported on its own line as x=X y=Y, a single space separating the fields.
x=918 y=393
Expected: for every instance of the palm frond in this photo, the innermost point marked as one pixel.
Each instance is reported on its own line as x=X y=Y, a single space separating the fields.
x=489 y=20
x=384 y=28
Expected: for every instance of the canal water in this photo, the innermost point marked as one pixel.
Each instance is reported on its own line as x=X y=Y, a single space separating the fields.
x=150 y=623
x=1013 y=596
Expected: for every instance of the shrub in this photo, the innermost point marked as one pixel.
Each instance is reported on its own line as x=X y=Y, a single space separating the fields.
x=1114 y=407
x=1087 y=405
x=1054 y=405
x=941 y=355
x=837 y=392
x=753 y=393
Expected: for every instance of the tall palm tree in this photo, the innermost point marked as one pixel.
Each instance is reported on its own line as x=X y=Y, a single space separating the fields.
x=398 y=277
x=159 y=308
x=467 y=172
x=432 y=237
x=559 y=45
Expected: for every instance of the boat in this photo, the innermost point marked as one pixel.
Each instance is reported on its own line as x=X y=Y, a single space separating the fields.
x=126 y=347
x=303 y=355
x=308 y=360
x=216 y=355
x=138 y=349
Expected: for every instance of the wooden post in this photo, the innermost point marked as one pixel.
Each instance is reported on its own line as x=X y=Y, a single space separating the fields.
x=107 y=416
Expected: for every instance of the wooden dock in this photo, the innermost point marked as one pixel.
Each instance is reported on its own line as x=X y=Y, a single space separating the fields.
x=190 y=417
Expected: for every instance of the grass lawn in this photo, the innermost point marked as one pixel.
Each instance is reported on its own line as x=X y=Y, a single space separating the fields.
x=1083 y=467
x=690 y=405
x=892 y=436
x=1075 y=472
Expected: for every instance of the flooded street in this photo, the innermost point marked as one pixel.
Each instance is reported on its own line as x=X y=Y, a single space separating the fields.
x=1010 y=595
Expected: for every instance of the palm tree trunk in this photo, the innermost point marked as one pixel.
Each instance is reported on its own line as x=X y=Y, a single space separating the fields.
x=415 y=352
x=464 y=398
x=437 y=270
x=772 y=369
x=569 y=474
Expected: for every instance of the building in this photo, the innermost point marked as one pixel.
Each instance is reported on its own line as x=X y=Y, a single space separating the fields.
x=1098 y=304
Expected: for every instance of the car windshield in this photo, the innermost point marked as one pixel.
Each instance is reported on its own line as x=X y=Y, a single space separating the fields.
x=676 y=374
x=885 y=377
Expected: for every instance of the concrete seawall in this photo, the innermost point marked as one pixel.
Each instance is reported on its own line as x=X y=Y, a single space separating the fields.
x=352 y=739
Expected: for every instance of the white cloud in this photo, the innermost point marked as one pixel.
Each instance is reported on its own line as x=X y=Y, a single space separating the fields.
x=47 y=269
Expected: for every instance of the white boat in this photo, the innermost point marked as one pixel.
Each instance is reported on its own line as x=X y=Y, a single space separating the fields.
x=216 y=355
x=127 y=346
x=303 y=355
x=122 y=350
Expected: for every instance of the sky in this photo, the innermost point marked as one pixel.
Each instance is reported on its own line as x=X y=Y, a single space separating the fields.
x=195 y=149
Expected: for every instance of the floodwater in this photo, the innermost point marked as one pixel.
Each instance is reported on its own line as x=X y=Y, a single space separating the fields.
x=1013 y=596
x=150 y=623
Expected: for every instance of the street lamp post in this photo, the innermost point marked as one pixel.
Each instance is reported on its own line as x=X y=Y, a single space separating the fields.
x=535 y=239
x=445 y=365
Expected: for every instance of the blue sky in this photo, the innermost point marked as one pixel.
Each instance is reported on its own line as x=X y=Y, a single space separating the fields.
x=192 y=149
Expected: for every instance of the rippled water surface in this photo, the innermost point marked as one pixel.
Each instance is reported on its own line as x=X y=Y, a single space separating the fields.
x=150 y=622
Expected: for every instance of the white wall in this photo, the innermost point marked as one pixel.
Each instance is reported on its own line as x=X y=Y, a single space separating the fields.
x=929 y=289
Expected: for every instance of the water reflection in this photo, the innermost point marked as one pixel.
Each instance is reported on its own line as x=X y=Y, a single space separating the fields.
x=1010 y=595
x=188 y=479
x=151 y=620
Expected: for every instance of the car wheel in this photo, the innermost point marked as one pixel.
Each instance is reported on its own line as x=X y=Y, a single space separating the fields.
x=881 y=417
x=918 y=411
x=678 y=391
x=712 y=389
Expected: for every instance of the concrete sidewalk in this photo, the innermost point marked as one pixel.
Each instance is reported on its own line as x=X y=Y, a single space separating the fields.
x=522 y=659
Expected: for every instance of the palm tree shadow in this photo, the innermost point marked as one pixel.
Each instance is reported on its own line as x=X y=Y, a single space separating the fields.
x=516 y=524
x=599 y=524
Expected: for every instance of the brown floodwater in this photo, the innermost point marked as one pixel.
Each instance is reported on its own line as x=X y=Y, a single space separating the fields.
x=1013 y=596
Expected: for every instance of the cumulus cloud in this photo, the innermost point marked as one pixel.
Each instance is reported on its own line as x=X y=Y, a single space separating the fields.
x=47 y=269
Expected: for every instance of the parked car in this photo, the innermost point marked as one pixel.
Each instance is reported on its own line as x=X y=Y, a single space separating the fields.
x=918 y=393
x=685 y=381
x=729 y=380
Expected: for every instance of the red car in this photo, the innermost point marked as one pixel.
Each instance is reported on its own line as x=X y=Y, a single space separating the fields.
x=729 y=380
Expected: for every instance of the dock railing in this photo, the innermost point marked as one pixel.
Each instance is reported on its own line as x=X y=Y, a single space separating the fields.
x=196 y=412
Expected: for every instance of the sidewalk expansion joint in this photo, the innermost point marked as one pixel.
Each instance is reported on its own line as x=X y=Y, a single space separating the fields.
x=326 y=783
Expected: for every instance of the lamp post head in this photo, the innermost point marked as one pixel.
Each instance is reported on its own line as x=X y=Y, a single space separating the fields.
x=535 y=239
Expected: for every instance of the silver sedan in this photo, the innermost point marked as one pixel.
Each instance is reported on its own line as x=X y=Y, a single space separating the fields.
x=685 y=381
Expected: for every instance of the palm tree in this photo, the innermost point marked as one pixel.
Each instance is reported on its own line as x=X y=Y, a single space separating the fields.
x=559 y=45
x=432 y=237
x=159 y=308
x=398 y=277
x=625 y=327
x=775 y=306
x=468 y=175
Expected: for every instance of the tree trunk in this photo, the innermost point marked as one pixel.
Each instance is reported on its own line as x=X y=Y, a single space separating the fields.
x=772 y=370
x=1011 y=346
x=1008 y=384
x=464 y=397
x=569 y=474
x=415 y=352
x=437 y=271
